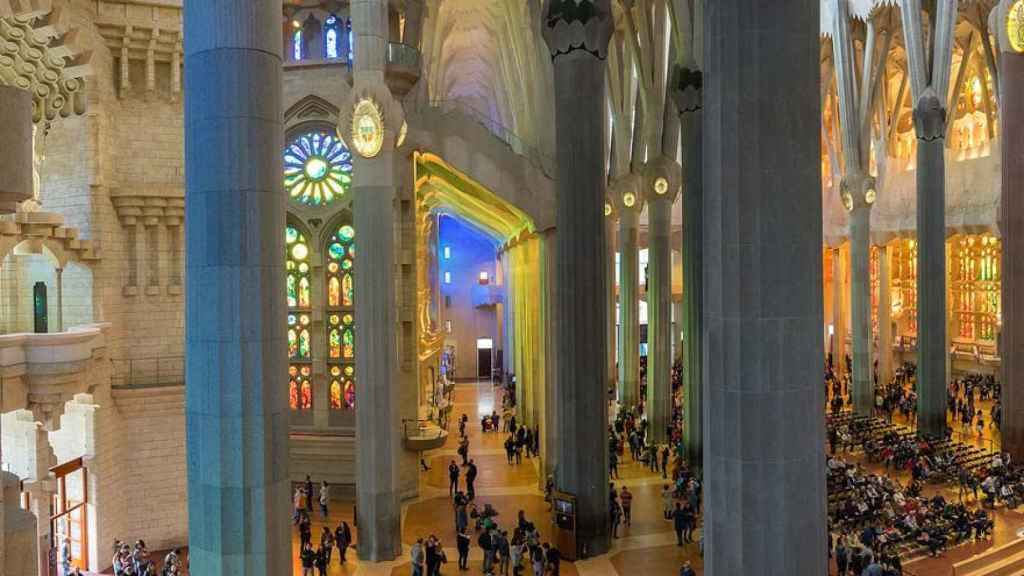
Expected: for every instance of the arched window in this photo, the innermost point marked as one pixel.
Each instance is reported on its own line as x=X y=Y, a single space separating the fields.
x=300 y=392
x=340 y=317
x=332 y=37
x=351 y=43
x=317 y=168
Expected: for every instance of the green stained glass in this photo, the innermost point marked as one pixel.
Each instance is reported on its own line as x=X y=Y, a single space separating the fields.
x=346 y=233
x=335 y=344
x=346 y=264
x=304 y=344
x=291 y=291
x=337 y=251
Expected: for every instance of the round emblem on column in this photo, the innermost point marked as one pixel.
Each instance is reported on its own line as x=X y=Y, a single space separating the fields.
x=629 y=199
x=661 y=184
x=367 y=128
x=1015 y=26
x=847 y=201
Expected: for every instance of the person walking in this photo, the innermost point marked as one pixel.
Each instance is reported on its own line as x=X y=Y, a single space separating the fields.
x=462 y=542
x=616 y=517
x=342 y=539
x=687 y=570
x=471 y=473
x=679 y=523
x=325 y=499
x=307 y=557
x=626 y=499
x=309 y=494
x=327 y=543
x=416 y=556
x=453 y=479
x=322 y=556
x=664 y=461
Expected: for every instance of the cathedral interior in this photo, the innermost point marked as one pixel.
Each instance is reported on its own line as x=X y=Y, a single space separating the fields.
x=721 y=287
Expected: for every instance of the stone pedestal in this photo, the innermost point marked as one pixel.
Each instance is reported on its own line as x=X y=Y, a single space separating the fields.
x=930 y=124
x=235 y=349
x=578 y=41
x=860 y=310
x=1011 y=133
x=764 y=467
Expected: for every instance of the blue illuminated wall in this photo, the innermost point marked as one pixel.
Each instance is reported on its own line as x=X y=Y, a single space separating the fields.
x=469 y=252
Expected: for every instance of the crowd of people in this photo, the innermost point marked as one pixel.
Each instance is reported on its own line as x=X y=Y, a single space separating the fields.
x=134 y=560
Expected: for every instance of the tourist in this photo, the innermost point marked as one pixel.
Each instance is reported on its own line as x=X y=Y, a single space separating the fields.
x=517 y=549
x=305 y=529
x=323 y=555
x=416 y=557
x=65 y=555
x=307 y=557
x=342 y=539
x=679 y=522
x=537 y=559
x=453 y=479
x=503 y=550
x=309 y=494
x=554 y=558
x=296 y=505
x=463 y=450
x=509 y=449
x=325 y=498
x=667 y=497
x=616 y=517
x=326 y=543
x=626 y=499
x=980 y=425
x=432 y=555
x=462 y=544
x=470 y=479
x=664 y=461
x=462 y=425
x=686 y=570
x=485 y=542
x=613 y=465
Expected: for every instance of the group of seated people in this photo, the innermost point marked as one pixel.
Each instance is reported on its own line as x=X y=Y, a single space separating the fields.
x=134 y=560
x=884 y=513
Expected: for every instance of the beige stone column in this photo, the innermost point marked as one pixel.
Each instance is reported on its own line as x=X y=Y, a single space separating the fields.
x=16 y=143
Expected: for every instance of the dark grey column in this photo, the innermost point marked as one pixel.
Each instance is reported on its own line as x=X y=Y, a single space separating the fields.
x=763 y=438
x=688 y=87
x=629 y=308
x=1011 y=115
x=578 y=52
x=235 y=348
x=930 y=124
x=860 y=308
x=659 y=318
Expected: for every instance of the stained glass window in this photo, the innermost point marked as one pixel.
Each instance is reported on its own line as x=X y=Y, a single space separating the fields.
x=351 y=40
x=298 y=50
x=317 y=168
x=297 y=282
x=976 y=276
x=300 y=392
x=332 y=31
x=904 y=283
x=340 y=316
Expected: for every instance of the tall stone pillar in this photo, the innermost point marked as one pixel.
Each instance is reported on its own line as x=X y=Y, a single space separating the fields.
x=688 y=93
x=659 y=320
x=1011 y=132
x=629 y=291
x=577 y=36
x=370 y=121
x=16 y=141
x=661 y=182
x=610 y=305
x=860 y=310
x=930 y=125
x=235 y=348
x=885 y=370
x=764 y=468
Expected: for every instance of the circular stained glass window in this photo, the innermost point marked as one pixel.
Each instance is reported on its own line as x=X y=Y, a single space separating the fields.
x=299 y=251
x=347 y=232
x=317 y=169
x=337 y=250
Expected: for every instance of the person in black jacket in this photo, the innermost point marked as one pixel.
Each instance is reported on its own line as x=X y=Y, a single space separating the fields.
x=679 y=523
x=462 y=543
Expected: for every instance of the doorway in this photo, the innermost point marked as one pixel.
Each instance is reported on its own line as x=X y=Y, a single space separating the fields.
x=68 y=525
x=484 y=357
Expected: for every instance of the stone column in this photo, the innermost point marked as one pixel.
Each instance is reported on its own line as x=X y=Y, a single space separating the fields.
x=860 y=309
x=378 y=426
x=16 y=141
x=609 y=262
x=930 y=125
x=885 y=371
x=1011 y=133
x=764 y=468
x=236 y=392
x=688 y=86
x=629 y=307
x=577 y=36
x=659 y=318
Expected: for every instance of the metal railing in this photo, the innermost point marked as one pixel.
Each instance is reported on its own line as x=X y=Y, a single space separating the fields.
x=148 y=372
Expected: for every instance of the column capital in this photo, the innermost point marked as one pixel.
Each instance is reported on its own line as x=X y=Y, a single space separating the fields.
x=858 y=190
x=929 y=116
x=662 y=178
x=577 y=25
x=687 y=88
x=626 y=193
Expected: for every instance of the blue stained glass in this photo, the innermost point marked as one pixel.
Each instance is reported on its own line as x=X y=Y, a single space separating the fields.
x=317 y=168
x=332 y=43
x=297 y=45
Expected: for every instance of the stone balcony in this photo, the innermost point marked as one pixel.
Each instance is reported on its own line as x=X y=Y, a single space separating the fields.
x=41 y=372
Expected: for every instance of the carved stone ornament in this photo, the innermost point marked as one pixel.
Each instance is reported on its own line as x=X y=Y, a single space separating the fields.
x=626 y=193
x=687 y=89
x=929 y=117
x=663 y=177
x=571 y=25
x=371 y=121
